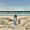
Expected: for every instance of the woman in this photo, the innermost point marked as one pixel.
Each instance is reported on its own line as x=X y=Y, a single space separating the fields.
x=15 y=19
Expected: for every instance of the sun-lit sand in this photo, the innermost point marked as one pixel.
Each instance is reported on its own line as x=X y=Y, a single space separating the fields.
x=24 y=23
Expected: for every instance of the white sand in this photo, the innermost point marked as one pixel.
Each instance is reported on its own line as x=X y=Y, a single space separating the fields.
x=24 y=21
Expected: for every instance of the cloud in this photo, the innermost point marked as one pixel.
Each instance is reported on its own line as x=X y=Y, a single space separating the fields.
x=4 y=7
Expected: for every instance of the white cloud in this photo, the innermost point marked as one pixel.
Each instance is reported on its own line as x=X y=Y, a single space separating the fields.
x=4 y=7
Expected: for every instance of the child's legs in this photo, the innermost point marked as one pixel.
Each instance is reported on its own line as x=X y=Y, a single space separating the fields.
x=15 y=22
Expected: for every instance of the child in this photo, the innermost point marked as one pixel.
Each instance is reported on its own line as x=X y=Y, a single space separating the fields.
x=15 y=19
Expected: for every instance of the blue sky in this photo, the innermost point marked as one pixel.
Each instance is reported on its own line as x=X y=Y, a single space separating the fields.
x=16 y=2
x=15 y=5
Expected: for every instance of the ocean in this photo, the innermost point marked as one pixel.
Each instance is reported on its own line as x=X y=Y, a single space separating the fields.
x=14 y=12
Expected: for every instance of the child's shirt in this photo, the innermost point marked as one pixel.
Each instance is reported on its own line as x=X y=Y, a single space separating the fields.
x=15 y=21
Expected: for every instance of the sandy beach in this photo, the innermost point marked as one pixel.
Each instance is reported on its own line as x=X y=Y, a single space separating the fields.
x=9 y=25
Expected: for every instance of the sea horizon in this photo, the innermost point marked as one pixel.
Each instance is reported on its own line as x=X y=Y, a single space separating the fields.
x=14 y=12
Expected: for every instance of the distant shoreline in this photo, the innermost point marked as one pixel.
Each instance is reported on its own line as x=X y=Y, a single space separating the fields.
x=15 y=14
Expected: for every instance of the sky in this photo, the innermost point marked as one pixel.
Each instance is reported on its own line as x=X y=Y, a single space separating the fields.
x=14 y=5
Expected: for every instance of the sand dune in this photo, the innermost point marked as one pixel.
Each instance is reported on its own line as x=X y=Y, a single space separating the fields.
x=9 y=25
